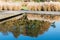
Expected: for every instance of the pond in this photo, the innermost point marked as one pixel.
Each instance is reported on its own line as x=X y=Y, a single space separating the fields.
x=24 y=29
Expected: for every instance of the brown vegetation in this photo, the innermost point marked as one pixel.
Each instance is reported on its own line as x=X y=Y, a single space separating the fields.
x=35 y=6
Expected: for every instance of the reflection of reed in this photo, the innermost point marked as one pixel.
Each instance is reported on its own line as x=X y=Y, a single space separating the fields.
x=45 y=17
x=25 y=26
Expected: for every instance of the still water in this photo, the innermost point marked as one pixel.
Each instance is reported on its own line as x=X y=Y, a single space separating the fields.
x=24 y=29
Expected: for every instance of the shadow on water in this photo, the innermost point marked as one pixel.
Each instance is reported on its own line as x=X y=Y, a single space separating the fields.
x=26 y=27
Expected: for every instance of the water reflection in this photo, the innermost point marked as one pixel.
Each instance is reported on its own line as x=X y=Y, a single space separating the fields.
x=53 y=25
x=26 y=27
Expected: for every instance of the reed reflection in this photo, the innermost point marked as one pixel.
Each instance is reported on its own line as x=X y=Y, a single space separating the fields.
x=24 y=26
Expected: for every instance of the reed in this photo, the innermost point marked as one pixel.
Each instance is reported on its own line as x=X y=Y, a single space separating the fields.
x=34 y=6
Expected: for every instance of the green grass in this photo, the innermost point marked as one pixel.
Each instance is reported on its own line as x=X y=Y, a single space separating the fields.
x=24 y=8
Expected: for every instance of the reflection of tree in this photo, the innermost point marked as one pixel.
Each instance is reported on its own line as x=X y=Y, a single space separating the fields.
x=25 y=26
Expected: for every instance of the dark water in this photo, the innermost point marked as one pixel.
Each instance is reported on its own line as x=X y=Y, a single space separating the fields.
x=29 y=30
